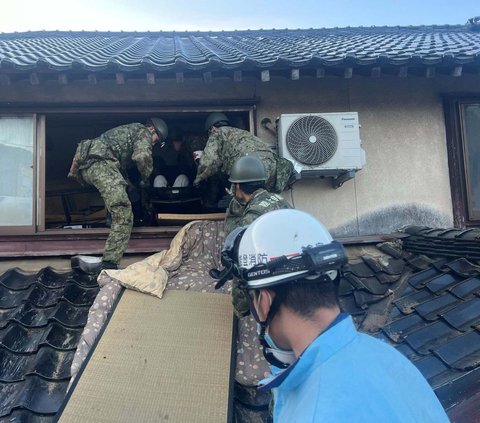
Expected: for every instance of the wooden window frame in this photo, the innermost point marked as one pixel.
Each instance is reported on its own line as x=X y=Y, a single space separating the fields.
x=455 y=130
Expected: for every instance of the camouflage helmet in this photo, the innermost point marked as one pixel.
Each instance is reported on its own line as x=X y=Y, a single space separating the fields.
x=248 y=169
x=160 y=126
x=214 y=118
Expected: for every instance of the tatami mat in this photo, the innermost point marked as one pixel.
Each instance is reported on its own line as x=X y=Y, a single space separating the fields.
x=158 y=360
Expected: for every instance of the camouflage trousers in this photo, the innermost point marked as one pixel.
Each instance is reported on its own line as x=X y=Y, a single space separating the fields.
x=106 y=177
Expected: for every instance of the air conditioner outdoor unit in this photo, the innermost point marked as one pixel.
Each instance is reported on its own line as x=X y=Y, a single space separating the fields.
x=322 y=144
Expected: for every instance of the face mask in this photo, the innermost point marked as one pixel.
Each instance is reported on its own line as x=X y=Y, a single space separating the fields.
x=274 y=354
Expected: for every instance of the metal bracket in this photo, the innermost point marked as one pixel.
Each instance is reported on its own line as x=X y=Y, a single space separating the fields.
x=338 y=181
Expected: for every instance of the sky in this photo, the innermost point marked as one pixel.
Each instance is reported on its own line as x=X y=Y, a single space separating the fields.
x=218 y=15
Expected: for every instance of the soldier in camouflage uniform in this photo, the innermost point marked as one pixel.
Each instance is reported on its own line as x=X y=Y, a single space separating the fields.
x=250 y=201
x=103 y=163
x=226 y=144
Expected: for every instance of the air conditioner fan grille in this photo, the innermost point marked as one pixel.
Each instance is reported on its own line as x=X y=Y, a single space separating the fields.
x=311 y=140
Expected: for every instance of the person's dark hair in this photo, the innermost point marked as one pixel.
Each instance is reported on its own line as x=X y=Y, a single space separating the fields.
x=251 y=187
x=304 y=297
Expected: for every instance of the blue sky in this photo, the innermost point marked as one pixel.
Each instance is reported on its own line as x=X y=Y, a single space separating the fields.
x=180 y=15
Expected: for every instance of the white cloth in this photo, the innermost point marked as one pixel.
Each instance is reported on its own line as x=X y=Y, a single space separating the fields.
x=181 y=181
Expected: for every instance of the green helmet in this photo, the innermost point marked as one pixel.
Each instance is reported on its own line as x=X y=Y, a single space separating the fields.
x=247 y=169
x=214 y=118
x=161 y=127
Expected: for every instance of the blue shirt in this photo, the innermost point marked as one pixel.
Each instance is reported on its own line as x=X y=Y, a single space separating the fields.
x=347 y=376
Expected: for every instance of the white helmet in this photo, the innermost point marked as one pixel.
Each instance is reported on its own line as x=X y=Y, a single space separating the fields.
x=281 y=246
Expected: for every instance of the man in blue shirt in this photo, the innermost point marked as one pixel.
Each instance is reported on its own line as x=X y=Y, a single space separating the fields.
x=289 y=267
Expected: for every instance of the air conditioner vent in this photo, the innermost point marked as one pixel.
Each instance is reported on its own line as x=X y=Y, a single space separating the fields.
x=322 y=144
x=311 y=140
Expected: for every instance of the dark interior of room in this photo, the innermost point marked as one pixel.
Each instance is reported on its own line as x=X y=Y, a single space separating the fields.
x=68 y=204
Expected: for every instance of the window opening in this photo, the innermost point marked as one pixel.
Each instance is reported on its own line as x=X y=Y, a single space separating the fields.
x=70 y=205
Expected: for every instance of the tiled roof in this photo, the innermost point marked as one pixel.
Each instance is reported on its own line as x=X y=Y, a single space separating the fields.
x=429 y=309
x=42 y=316
x=261 y=49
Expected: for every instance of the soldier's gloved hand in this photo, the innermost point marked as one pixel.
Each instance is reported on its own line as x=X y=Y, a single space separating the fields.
x=144 y=184
x=196 y=182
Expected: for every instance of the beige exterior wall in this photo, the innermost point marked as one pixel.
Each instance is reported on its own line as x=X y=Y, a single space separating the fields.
x=405 y=180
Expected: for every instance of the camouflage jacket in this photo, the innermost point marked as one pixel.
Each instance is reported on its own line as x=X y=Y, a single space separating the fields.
x=225 y=146
x=261 y=202
x=126 y=144
x=228 y=144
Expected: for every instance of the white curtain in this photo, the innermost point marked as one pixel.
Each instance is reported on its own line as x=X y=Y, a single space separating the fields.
x=16 y=171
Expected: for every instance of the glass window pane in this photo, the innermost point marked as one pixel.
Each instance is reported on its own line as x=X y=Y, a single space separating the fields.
x=472 y=153
x=16 y=171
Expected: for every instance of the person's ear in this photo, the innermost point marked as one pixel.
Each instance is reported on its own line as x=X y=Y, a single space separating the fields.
x=264 y=302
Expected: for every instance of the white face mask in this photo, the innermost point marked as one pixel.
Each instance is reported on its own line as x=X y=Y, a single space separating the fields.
x=281 y=358
x=285 y=356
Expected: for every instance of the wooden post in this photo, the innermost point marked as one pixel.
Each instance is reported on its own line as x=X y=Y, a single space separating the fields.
x=265 y=75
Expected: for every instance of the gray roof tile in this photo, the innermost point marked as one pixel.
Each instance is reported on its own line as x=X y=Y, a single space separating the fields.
x=96 y=51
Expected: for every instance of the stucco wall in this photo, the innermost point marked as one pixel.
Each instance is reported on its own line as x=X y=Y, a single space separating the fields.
x=405 y=179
